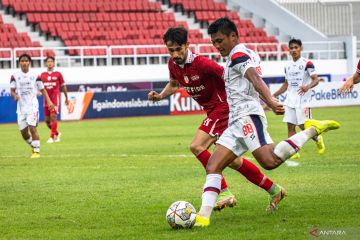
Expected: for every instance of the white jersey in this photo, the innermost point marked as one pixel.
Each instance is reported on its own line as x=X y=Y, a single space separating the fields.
x=298 y=74
x=242 y=97
x=26 y=85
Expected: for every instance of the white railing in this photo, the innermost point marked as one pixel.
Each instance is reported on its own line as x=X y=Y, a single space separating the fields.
x=156 y=54
x=333 y=19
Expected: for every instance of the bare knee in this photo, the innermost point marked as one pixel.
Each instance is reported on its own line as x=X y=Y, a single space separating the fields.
x=270 y=163
x=196 y=149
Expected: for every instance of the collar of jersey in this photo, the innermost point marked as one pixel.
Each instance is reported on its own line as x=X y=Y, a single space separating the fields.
x=189 y=59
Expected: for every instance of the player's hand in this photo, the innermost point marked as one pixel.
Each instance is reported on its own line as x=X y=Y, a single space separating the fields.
x=154 y=96
x=302 y=90
x=348 y=86
x=51 y=106
x=16 y=98
x=277 y=107
x=66 y=102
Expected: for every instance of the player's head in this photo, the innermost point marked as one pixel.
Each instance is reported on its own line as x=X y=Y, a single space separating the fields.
x=295 y=47
x=224 y=35
x=176 y=41
x=24 y=62
x=50 y=62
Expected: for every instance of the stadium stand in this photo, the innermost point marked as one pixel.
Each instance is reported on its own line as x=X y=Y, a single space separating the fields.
x=129 y=31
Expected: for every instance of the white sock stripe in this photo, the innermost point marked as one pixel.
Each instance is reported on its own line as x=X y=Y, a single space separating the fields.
x=262 y=181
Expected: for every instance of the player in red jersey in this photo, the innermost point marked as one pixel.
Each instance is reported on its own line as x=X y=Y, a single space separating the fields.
x=53 y=82
x=354 y=79
x=202 y=78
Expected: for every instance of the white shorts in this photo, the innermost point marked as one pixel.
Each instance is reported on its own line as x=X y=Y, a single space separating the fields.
x=296 y=116
x=247 y=133
x=25 y=120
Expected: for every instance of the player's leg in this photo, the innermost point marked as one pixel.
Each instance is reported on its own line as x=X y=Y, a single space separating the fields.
x=54 y=126
x=270 y=156
x=254 y=175
x=304 y=114
x=220 y=159
x=199 y=147
x=48 y=122
x=290 y=118
x=23 y=128
x=32 y=122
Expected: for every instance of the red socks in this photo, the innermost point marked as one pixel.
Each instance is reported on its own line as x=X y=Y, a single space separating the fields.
x=54 y=129
x=253 y=174
x=204 y=158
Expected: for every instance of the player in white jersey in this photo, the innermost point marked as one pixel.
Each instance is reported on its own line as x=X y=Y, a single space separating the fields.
x=24 y=86
x=247 y=121
x=300 y=77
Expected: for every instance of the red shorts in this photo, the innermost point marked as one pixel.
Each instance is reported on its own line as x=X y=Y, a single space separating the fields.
x=55 y=101
x=216 y=122
x=48 y=112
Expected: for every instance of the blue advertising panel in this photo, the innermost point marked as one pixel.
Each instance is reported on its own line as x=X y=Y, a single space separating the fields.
x=125 y=104
x=8 y=110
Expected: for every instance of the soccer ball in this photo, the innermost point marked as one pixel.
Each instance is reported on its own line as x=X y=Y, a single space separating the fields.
x=181 y=214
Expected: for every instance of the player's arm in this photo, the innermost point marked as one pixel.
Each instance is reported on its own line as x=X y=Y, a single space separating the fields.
x=349 y=83
x=13 y=89
x=14 y=95
x=282 y=89
x=40 y=87
x=64 y=90
x=310 y=69
x=171 y=87
x=314 y=82
x=263 y=90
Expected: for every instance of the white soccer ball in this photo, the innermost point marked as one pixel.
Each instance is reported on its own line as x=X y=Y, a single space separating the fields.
x=181 y=214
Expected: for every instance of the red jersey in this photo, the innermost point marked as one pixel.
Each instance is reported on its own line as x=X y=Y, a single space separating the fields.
x=52 y=83
x=202 y=79
x=358 y=68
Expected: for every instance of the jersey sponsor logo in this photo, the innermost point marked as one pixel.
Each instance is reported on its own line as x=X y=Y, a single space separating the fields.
x=194 y=90
x=194 y=78
x=186 y=79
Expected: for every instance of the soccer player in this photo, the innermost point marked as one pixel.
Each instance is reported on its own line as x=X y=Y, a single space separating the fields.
x=300 y=77
x=202 y=78
x=349 y=83
x=53 y=82
x=247 y=120
x=24 y=85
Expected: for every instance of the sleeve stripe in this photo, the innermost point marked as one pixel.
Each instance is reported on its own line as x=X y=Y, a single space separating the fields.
x=239 y=59
x=309 y=64
x=238 y=54
x=39 y=79
x=12 y=79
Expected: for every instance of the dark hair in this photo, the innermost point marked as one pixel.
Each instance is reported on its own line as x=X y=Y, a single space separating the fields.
x=223 y=25
x=177 y=35
x=25 y=55
x=295 y=41
x=50 y=57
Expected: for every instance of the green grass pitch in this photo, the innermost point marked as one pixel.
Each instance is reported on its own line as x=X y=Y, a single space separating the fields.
x=115 y=179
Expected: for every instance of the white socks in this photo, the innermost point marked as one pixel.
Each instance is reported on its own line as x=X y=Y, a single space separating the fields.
x=285 y=149
x=36 y=145
x=211 y=191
